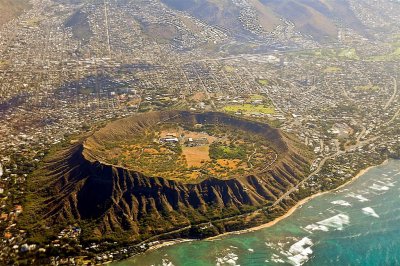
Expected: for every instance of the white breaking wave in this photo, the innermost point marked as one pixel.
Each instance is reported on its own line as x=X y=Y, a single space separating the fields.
x=250 y=249
x=387 y=182
x=360 y=198
x=316 y=227
x=336 y=222
x=379 y=187
x=300 y=251
x=275 y=258
x=341 y=203
x=229 y=259
x=369 y=211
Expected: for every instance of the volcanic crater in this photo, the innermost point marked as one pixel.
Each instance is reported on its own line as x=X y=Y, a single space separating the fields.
x=153 y=173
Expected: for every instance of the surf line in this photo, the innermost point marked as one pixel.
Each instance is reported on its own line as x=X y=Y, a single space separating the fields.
x=297 y=205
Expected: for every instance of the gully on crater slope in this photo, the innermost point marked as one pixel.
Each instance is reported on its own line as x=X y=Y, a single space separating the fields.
x=75 y=186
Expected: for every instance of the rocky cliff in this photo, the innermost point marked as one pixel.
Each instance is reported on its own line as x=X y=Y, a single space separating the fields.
x=77 y=187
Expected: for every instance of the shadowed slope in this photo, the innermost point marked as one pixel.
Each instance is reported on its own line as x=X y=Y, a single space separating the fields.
x=126 y=205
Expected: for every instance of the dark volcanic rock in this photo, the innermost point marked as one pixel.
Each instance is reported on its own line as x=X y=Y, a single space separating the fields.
x=124 y=204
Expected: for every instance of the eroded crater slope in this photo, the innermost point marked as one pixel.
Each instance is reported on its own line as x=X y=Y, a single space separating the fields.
x=81 y=185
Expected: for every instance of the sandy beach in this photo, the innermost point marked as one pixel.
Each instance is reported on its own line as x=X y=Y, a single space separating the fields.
x=271 y=223
x=168 y=243
x=295 y=207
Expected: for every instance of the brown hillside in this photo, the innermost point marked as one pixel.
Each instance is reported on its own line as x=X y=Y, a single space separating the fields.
x=76 y=187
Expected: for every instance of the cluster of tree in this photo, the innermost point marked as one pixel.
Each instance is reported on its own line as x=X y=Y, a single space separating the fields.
x=231 y=151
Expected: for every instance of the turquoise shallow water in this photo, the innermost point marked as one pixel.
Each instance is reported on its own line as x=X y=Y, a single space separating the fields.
x=357 y=225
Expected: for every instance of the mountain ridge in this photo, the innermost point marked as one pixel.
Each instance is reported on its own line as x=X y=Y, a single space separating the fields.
x=126 y=205
x=317 y=18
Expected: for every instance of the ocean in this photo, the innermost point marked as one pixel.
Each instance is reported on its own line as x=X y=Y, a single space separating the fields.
x=356 y=225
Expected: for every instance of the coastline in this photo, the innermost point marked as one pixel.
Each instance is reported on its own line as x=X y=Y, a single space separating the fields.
x=297 y=205
x=271 y=223
x=168 y=243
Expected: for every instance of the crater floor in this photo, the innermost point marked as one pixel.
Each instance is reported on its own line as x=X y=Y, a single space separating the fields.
x=188 y=150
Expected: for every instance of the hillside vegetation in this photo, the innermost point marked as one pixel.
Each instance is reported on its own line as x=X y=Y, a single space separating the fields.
x=75 y=186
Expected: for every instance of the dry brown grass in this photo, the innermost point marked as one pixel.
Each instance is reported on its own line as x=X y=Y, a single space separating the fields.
x=199 y=96
x=150 y=151
x=194 y=175
x=268 y=19
x=230 y=163
x=196 y=156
